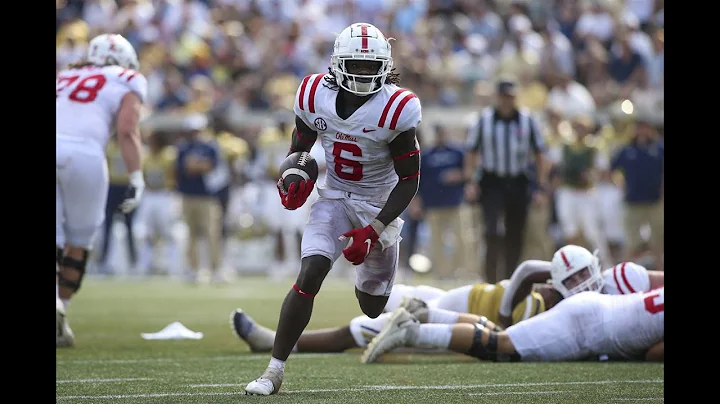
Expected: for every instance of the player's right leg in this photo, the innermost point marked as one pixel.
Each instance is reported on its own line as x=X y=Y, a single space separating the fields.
x=81 y=194
x=435 y=315
x=554 y=335
x=320 y=248
x=481 y=340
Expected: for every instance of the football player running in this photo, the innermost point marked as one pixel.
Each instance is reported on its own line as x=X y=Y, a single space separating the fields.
x=100 y=95
x=428 y=304
x=366 y=125
x=610 y=323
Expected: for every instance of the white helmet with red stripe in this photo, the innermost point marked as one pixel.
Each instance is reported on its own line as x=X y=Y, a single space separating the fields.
x=112 y=49
x=575 y=269
x=361 y=41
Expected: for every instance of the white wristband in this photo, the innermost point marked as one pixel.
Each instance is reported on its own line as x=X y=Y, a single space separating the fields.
x=136 y=178
x=377 y=226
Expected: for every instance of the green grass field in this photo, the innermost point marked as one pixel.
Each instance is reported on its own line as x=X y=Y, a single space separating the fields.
x=111 y=362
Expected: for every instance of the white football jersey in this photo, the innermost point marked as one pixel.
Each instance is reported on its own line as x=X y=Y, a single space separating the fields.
x=356 y=149
x=88 y=98
x=625 y=278
x=631 y=324
x=589 y=324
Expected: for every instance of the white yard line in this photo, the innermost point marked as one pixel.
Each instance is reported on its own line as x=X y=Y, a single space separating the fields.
x=238 y=357
x=148 y=395
x=361 y=389
x=443 y=387
x=640 y=399
x=514 y=393
x=134 y=379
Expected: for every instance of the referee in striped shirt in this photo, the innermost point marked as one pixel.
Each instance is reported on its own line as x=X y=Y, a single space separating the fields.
x=502 y=143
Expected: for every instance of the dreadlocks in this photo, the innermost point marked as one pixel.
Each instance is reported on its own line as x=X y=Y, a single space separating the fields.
x=331 y=81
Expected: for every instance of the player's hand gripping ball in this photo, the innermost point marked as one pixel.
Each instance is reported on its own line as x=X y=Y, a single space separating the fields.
x=299 y=171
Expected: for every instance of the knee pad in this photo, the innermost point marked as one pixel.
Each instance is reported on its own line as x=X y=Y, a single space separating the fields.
x=312 y=274
x=483 y=322
x=488 y=351
x=77 y=265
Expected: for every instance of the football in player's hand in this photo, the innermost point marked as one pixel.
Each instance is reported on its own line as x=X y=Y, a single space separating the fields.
x=297 y=167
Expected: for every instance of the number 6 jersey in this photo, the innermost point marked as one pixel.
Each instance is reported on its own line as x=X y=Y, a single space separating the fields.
x=356 y=149
x=88 y=98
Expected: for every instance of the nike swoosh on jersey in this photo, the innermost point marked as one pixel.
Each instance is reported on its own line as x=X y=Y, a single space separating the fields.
x=368 y=242
x=368 y=130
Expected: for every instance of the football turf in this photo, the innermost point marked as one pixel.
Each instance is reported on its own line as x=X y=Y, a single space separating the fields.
x=111 y=362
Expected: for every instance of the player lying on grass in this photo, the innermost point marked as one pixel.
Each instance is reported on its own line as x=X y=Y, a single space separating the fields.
x=569 y=261
x=429 y=304
x=582 y=326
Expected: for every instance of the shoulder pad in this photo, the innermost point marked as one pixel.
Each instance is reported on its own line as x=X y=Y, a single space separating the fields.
x=401 y=112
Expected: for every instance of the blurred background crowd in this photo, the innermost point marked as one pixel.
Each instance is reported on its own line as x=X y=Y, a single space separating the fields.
x=226 y=72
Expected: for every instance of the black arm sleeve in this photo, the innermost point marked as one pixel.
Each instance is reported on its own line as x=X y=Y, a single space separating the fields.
x=303 y=138
x=405 y=151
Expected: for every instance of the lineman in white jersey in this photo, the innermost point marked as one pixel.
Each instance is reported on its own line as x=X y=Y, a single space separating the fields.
x=582 y=326
x=574 y=267
x=586 y=323
x=100 y=95
x=366 y=126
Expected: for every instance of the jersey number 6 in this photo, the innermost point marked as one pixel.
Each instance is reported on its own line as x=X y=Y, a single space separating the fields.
x=85 y=91
x=357 y=168
x=654 y=302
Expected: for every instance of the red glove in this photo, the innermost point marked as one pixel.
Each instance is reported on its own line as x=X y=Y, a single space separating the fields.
x=363 y=240
x=295 y=197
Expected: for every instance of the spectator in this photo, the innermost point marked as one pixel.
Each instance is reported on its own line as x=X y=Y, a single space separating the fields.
x=440 y=195
x=571 y=98
x=577 y=201
x=656 y=66
x=596 y=21
x=198 y=179
x=626 y=66
x=159 y=208
x=642 y=163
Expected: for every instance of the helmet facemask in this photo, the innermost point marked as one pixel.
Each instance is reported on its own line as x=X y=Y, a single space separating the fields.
x=361 y=84
x=585 y=279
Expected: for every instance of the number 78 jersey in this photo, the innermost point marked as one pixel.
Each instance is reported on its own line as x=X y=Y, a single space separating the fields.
x=88 y=98
x=357 y=149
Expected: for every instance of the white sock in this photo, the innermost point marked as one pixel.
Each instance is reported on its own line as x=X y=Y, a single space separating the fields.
x=441 y=316
x=277 y=364
x=433 y=336
x=66 y=302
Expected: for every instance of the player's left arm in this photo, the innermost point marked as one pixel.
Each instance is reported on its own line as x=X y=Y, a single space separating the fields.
x=405 y=152
x=525 y=275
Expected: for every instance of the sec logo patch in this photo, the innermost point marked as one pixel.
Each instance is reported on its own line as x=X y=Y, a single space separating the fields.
x=320 y=124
